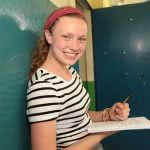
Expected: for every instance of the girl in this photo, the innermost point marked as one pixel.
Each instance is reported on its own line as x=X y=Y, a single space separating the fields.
x=57 y=102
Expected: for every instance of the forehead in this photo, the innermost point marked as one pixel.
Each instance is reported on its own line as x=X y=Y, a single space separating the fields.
x=71 y=24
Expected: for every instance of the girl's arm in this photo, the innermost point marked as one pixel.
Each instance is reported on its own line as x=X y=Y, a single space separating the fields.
x=89 y=142
x=119 y=111
x=43 y=135
x=97 y=116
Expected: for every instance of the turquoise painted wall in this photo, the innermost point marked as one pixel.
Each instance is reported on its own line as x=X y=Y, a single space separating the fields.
x=122 y=62
x=20 y=25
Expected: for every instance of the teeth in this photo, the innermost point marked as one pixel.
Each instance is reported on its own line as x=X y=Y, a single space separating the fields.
x=71 y=54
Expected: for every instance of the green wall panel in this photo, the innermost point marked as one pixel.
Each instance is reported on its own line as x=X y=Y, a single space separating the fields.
x=90 y=86
x=20 y=25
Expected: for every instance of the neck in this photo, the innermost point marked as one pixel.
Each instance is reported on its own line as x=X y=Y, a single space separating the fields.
x=53 y=66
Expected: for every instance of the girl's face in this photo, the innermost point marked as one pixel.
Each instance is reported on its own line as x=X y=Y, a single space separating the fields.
x=67 y=40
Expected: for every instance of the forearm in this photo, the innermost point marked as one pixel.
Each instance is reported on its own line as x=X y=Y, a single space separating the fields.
x=97 y=116
x=87 y=143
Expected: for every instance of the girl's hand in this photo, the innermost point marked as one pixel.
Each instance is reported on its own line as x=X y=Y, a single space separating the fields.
x=119 y=111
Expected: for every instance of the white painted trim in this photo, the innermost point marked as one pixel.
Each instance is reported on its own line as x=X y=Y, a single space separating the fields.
x=86 y=62
x=61 y=3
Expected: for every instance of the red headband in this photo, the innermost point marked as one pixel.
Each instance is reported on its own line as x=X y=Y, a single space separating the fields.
x=61 y=12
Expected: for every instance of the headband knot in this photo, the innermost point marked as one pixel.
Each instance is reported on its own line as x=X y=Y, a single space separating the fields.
x=61 y=12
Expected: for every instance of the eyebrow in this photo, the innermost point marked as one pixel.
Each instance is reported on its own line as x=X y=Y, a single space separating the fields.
x=68 y=33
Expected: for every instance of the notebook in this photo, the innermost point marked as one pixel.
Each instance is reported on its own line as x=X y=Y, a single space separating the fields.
x=135 y=123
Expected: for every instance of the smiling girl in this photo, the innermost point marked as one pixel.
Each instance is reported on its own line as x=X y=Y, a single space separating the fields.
x=57 y=102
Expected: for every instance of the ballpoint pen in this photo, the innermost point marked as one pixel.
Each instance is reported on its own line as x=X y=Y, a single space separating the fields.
x=127 y=99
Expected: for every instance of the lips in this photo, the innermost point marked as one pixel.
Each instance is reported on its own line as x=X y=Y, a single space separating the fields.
x=71 y=54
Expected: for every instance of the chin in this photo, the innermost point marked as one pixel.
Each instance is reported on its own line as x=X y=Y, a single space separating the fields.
x=71 y=63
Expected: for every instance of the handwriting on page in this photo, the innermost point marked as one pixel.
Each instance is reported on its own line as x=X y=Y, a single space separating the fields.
x=135 y=123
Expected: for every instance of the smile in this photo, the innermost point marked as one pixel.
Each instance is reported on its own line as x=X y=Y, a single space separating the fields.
x=71 y=54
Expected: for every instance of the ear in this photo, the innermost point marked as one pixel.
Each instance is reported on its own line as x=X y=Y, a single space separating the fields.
x=48 y=36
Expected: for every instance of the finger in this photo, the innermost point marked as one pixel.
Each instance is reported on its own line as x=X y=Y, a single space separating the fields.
x=120 y=105
x=126 y=105
x=118 y=117
x=123 y=113
x=119 y=110
x=126 y=109
x=115 y=108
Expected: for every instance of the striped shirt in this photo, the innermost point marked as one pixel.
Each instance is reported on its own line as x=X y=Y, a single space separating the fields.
x=49 y=97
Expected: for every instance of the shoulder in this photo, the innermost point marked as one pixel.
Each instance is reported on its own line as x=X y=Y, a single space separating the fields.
x=42 y=101
x=39 y=76
x=39 y=82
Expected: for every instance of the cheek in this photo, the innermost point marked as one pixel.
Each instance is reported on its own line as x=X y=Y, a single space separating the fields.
x=82 y=47
x=58 y=44
x=82 y=51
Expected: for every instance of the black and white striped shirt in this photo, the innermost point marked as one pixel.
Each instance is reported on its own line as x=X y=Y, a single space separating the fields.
x=50 y=97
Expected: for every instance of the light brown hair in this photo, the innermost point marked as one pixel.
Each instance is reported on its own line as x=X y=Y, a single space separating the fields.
x=40 y=52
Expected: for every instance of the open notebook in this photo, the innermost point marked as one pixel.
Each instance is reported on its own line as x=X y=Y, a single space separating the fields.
x=136 y=123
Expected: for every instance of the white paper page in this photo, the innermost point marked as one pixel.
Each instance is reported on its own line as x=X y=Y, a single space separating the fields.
x=136 y=123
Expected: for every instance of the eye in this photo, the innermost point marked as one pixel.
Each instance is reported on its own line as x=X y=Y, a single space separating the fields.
x=66 y=37
x=82 y=40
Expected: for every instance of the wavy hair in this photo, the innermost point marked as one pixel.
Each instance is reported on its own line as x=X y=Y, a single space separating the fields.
x=40 y=52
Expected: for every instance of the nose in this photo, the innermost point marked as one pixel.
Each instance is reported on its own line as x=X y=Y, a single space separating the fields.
x=74 y=45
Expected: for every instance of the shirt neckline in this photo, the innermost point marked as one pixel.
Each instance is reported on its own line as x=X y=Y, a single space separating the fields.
x=51 y=73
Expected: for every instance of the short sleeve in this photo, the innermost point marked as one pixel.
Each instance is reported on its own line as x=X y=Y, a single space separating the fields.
x=42 y=102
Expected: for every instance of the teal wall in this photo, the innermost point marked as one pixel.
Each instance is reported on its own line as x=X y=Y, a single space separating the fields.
x=20 y=25
x=122 y=62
